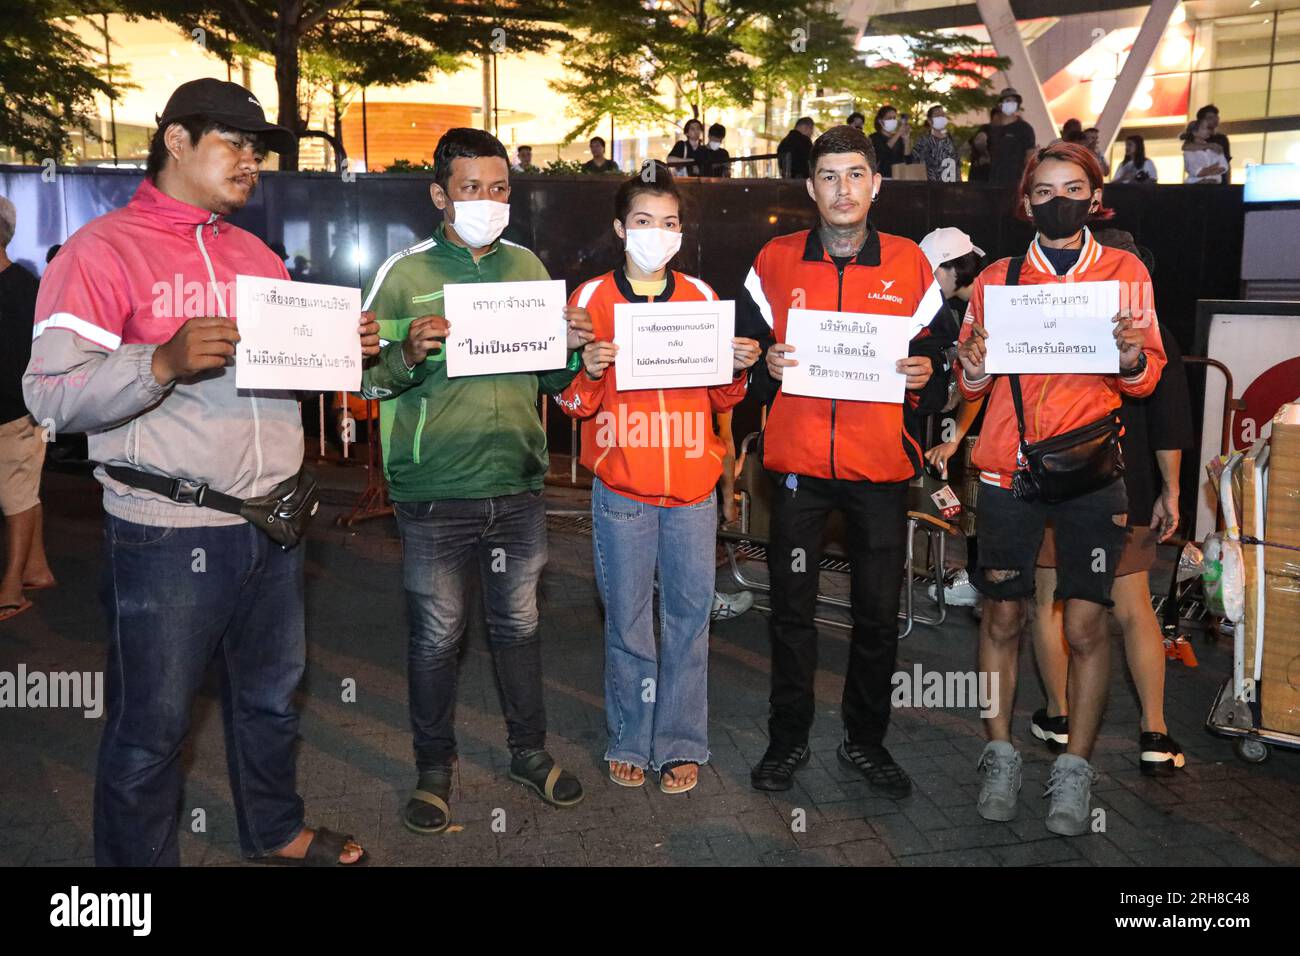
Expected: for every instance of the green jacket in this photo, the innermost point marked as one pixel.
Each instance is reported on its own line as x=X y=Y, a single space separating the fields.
x=469 y=437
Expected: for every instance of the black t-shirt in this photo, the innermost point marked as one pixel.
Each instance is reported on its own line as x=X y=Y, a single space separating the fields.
x=792 y=155
x=1008 y=145
x=886 y=155
x=682 y=149
x=715 y=162
x=1160 y=422
x=17 y=316
x=591 y=167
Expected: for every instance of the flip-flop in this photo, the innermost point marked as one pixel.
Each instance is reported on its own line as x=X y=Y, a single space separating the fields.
x=40 y=587
x=666 y=773
x=622 y=782
x=324 y=850
x=8 y=611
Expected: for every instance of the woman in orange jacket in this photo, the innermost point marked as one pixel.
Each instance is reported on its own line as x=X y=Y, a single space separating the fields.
x=656 y=460
x=1061 y=190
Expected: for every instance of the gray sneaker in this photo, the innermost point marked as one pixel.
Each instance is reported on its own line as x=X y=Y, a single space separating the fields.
x=1000 y=767
x=1070 y=787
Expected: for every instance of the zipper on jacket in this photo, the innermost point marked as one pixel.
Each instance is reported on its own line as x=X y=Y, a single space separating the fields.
x=419 y=430
x=839 y=305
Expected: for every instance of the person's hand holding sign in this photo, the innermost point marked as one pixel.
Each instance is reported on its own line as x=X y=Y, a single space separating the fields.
x=598 y=356
x=369 y=331
x=201 y=344
x=777 y=362
x=580 y=327
x=918 y=370
x=424 y=336
x=744 y=352
x=972 y=352
x=1128 y=339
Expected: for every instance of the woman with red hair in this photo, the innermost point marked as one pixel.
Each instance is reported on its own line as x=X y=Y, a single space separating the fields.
x=1075 y=415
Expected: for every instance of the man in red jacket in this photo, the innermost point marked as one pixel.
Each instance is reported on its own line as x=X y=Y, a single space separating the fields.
x=824 y=455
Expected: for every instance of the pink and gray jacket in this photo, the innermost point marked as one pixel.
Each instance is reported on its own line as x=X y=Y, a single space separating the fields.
x=121 y=286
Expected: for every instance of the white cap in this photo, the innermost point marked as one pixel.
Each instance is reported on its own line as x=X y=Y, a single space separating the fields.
x=944 y=245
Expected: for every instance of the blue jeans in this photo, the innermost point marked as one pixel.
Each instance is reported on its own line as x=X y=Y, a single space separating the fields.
x=444 y=543
x=656 y=701
x=175 y=597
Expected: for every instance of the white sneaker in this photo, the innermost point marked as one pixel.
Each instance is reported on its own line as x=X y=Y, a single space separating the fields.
x=958 y=592
x=728 y=606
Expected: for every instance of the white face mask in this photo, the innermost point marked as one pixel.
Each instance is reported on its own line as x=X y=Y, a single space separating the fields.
x=889 y=125
x=479 y=221
x=1009 y=107
x=714 y=145
x=651 y=249
x=939 y=122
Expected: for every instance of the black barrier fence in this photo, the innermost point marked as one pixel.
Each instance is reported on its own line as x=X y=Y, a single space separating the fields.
x=344 y=228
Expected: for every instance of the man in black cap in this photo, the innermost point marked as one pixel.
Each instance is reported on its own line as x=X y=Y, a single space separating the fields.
x=135 y=338
x=1010 y=141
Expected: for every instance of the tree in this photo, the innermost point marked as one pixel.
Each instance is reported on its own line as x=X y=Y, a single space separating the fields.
x=632 y=52
x=364 y=42
x=923 y=68
x=48 y=77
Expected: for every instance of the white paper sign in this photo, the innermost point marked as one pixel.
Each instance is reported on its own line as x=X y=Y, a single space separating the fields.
x=847 y=355
x=1051 y=329
x=673 y=344
x=505 y=327
x=297 y=335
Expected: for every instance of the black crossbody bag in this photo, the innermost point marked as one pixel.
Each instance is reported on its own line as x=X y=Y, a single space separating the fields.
x=283 y=513
x=1068 y=465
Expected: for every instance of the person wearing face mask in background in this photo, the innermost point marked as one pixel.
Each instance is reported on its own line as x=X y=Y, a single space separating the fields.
x=891 y=140
x=716 y=161
x=1011 y=141
x=1060 y=191
x=684 y=158
x=465 y=459
x=936 y=149
x=653 y=507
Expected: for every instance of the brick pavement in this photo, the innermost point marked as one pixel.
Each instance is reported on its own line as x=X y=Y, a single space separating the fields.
x=355 y=764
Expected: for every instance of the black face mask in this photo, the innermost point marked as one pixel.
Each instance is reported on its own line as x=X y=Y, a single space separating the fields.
x=1061 y=217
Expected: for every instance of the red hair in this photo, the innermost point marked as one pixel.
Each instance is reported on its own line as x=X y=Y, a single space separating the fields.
x=1076 y=153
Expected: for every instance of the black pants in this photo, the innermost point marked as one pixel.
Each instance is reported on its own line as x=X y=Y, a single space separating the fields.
x=875 y=541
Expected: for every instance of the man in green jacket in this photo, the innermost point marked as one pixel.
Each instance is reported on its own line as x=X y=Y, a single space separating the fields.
x=465 y=460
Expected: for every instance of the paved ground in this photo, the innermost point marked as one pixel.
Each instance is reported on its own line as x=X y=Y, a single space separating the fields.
x=356 y=766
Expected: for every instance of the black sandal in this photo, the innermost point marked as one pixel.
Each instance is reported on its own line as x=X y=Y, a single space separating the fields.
x=428 y=811
x=540 y=772
x=325 y=848
x=883 y=775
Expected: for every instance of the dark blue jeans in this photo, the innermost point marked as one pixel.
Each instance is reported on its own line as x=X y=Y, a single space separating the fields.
x=444 y=543
x=176 y=597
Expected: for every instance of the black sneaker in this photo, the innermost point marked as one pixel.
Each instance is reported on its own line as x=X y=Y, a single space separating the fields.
x=1053 y=731
x=883 y=775
x=776 y=770
x=1161 y=755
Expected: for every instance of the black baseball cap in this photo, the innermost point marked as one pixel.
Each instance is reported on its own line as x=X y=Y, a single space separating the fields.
x=226 y=103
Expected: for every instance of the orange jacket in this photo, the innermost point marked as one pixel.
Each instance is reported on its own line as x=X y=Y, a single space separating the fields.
x=1055 y=404
x=830 y=438
x=652 y=445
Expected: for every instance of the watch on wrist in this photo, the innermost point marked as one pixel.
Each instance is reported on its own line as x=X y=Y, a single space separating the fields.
x=1137 y=369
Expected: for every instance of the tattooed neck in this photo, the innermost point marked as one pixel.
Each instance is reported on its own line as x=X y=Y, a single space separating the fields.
x=843 y=240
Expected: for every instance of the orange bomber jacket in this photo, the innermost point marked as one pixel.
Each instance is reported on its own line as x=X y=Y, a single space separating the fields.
x=657 y=446
x=1055 y=404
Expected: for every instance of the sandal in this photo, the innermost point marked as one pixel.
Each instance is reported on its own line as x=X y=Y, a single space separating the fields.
x=325 y=848
x=540 y=772
x=667 y=779
x=624 y=781
x=13 y=610
x=428 y=811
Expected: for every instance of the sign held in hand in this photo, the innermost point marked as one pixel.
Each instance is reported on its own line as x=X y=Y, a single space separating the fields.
x=501 y=327
x=673 y=344
x=1060 y=328
x=846 y=355
x=297 y=335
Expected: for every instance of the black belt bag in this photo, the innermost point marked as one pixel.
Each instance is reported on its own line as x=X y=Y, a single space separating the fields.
x=1069 y=465
x=283 y=513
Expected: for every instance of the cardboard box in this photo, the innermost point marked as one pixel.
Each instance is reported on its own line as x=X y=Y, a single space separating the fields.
x=1279 y=692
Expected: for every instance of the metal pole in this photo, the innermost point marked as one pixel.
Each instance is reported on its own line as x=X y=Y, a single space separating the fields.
x=108 y=65
x=365 y=132
x=496 y=100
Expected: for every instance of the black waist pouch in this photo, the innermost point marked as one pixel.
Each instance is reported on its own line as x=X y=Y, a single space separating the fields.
x=1069 y=465
x=283 y=513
